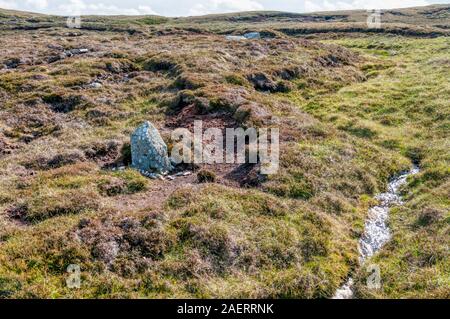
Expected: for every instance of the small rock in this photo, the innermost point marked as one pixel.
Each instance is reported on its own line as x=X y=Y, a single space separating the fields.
x=171 y=178
x=56 y=58
x=80 y=51
x=262 y=82
x=95 y=85
x=13 y=63
x=75 y=52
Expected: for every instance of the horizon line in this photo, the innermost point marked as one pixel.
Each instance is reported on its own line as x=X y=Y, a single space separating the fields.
x=219 y=13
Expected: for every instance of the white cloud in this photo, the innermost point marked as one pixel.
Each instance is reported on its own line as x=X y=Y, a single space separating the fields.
x=37 y=4
x=8 y=4
x=146 y=10
x=223 y=6
x=328 y=5
x=79 y=7
x=198 y=7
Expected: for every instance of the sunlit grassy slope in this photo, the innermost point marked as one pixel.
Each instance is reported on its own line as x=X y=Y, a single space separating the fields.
x=405 y=107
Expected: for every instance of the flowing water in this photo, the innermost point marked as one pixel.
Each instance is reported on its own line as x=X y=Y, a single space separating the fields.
x=376 y=231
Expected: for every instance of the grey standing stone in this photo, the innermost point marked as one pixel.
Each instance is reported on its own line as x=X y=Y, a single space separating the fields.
x=148 y=150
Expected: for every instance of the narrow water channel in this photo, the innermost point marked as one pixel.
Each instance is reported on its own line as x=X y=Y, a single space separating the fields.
x=376 y=230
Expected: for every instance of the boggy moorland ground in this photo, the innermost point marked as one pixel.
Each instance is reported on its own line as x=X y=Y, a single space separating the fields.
x=354 y=105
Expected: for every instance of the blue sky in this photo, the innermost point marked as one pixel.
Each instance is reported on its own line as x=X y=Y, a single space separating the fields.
x=199 y=7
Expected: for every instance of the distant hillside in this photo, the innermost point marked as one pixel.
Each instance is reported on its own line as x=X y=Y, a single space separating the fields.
x=434 y=18
x=416 y=15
